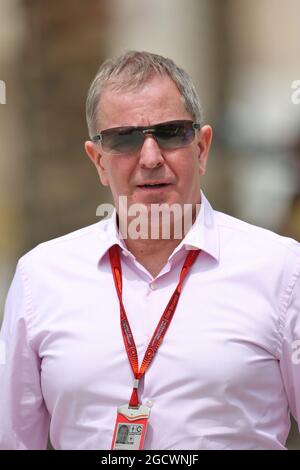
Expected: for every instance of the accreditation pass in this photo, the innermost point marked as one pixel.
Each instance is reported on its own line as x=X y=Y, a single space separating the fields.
x=130 y=428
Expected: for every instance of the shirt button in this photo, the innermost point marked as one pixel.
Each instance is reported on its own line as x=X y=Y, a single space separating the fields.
x=149 y=403
x=153 y=286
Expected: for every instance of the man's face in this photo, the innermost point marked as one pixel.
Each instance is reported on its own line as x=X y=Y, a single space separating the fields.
x=122 y=434
x=157 y=101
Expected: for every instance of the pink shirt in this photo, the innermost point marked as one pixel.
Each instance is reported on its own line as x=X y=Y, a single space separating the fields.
x=225 y=376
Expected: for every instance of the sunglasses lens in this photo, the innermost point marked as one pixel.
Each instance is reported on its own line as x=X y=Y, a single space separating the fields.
x=122 y=141
x=169 y=135
x=175 y=135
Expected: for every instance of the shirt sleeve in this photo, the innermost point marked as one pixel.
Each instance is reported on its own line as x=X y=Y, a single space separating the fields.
x=290 y=349
x=24 y=420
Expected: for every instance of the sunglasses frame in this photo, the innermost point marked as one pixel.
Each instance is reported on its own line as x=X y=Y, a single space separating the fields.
x=146 y=130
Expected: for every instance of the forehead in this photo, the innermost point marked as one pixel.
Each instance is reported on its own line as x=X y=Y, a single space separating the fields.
x=155 y=101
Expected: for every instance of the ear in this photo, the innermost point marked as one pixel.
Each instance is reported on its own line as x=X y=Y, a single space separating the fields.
x=97 y=159
x=204 y=139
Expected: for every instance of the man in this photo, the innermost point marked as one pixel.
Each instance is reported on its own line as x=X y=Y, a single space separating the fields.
x=207 y=352
x=122 y=435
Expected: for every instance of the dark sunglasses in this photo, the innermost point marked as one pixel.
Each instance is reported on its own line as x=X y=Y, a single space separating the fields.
x=168 y=135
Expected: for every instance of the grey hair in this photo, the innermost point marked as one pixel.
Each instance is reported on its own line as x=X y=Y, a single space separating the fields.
x=130 y=71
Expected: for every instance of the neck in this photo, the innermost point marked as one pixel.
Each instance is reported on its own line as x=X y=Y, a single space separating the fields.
x=152 y=254
x=151 y=244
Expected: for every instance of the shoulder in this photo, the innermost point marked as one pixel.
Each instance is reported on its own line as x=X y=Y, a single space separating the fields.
x=263 y=251
x=80 y=243
x=253 y=237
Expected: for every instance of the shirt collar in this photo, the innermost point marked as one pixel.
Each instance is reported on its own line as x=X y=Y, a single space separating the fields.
x=204 y=234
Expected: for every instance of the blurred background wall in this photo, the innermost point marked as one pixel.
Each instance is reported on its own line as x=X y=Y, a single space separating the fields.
x=243 y=57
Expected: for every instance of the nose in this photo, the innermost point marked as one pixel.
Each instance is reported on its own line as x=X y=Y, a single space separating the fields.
x=150 y=153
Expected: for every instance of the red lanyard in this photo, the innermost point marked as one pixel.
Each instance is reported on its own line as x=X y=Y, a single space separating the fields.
x=161 y=328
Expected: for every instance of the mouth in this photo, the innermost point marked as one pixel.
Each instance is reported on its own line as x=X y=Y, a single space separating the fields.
x=153 y=186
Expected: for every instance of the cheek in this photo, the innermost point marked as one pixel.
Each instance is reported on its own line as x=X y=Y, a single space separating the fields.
x=119 y=174
x=188 y=169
